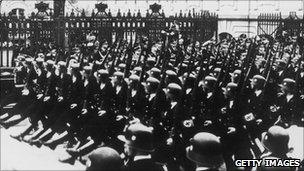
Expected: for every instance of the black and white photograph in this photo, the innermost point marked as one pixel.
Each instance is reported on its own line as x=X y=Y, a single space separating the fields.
x=152 y=85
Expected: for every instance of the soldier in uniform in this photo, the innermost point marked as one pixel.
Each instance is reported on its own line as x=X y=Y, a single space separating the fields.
x=288 y=107
x=231 y=122
x=138 y=148
x=275 y=141
x=104 y=159
x=258 y=106
x=136 y=97
x=205 y=151
x=121 y=88
x=27 y=98
x=209 y=98
x=19 y=76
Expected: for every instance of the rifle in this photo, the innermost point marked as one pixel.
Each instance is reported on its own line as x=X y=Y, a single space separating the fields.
x=108 y=52
x=129 y=53
x=143 y=72
x=268 y=57
x=115 y=57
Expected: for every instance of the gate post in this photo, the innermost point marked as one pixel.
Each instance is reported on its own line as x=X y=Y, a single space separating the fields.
x=59 y=23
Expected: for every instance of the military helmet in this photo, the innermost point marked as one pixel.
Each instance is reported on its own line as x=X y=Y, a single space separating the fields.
x=276 y=139
x=206 y=150
x=139 y=137
x=104 y=158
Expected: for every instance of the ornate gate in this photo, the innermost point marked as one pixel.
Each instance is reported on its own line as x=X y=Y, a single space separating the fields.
x=43 y=27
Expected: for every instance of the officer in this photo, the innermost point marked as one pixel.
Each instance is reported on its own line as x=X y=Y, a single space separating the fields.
x=205 y=152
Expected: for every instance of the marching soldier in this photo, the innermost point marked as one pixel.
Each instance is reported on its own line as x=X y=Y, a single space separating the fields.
x=136 y=97
x=205 y=151
x=258 y=106
x=209 y=98
x=231 y=129
x=121 y=87
x=104 y=159
x=288 y=107
x=275 y=141
x=138 y=148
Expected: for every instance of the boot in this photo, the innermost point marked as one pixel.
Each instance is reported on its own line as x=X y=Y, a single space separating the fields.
x=71 y=160
x=36 y=143
x=17 y=137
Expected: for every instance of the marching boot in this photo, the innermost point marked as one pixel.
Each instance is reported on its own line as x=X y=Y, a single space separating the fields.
x=17 y=137
x=36 y=143
x=71 y=160
x=51 y=144
x=4 y=117
x=73 y=152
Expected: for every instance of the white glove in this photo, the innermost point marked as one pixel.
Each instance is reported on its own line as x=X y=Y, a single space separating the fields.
x=39 y=96
x=73 y=105
x=25 y=92
x=46 y=98
x=60 y=98
x=84 y=111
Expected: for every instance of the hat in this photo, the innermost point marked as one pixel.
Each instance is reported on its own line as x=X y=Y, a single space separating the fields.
x=288 y=83
x=50 y=62
x=87 y=68
x=152 y=80
x=258 y=78
x=171 y=73
x=61 y=63
x=154 y=69
x=104 y=158
x=174 y=86
x=103 y=72
x=118 y=74
x=231 y=85
x=39 y=60
x=122 y=65
x=210 y=78
x=139 y=137
x=208 y=81
x=276 y=139
x=29 y=60
x=205 y=149
x=21 y=58
x=237 y=71
x=40 y=55
x=75 y=65
x=137 y=69
x=134 y=77
x=217 y=70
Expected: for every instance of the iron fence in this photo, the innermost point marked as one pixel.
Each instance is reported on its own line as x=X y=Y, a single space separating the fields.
x=72 y=28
